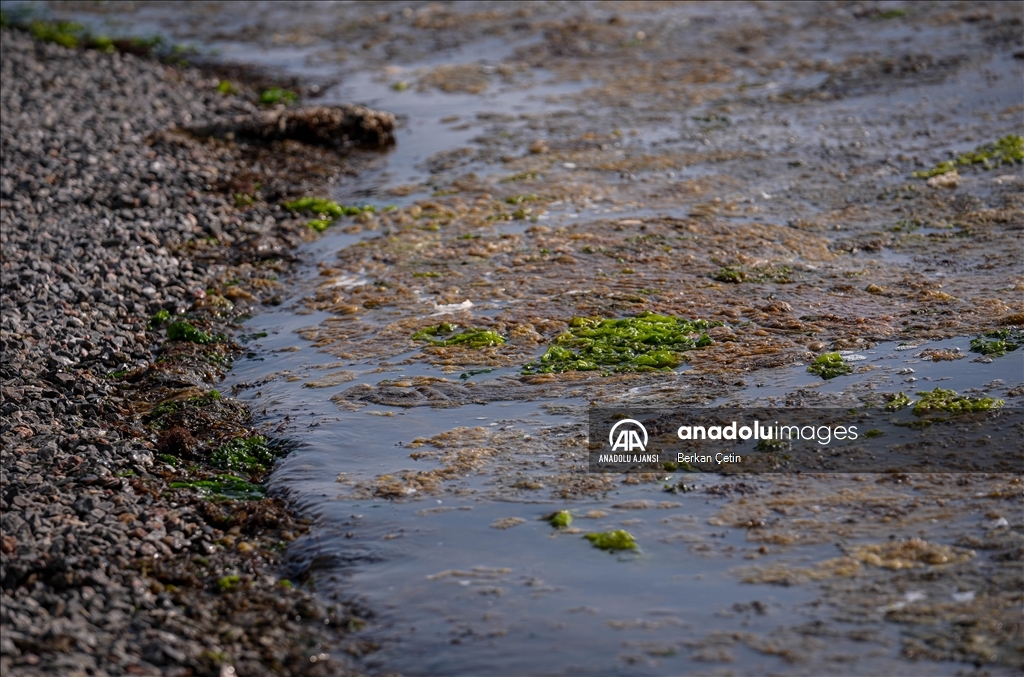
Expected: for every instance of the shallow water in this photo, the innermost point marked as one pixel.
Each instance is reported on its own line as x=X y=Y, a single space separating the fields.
x=451 y=593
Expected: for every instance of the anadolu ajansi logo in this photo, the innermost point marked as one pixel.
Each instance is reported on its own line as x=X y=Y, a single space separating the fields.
x=629 y=437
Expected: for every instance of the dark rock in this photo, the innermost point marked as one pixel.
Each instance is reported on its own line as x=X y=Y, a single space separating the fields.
x=332 y=126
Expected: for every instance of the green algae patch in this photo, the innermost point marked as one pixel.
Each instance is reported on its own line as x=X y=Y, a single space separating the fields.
x=64 y=33
x=620 y=539
x=73 y=35
x=830 y=365
x=520 y=199
x=247 y=454
x=184 y=331
x=950 y=401
x=159 y=318
x=445 y=334
x=326 y=211
x=561 y=519
x=1008 y=150
x=897 y=402
x=997 y=343
x=521 y=176
x=737 y=275
x=770 y=446
x=228 y=583
x=224 y=487
x=173 y=406
x=275 y=95
x=647 y=342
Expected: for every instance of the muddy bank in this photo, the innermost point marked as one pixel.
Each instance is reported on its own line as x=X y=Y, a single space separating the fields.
x=137 y=534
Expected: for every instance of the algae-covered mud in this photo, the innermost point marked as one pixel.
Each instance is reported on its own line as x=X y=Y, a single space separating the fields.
x=666 y=204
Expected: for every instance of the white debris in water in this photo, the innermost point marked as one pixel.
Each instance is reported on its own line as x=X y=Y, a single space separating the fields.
x=346 y=281
x=909 y=598
x=452 y=307
x=850 y=356
x=967 y=596
x=569 y=165
x=995 y=524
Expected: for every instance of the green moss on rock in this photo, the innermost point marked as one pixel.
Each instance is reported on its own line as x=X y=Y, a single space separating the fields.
x=159 y=318
x=184 y=331
x=246 y=454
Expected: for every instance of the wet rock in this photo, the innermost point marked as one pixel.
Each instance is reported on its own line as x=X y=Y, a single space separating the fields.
x=332 y=126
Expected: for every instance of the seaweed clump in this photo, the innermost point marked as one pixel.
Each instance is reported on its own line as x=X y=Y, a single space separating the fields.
x=997 y=343
x=184 y=331
x=737 y=275
x=830 y=365
x=561 y=519
x=276 y=95
x=1008 y=150
x=647 y=342
x=249 y=454
x=223 y=487
x=73 y=35
x=159 y=318
x=898 y=401
x=326 y=211
x=444 y=335
x=620 y=539
x=950 y=401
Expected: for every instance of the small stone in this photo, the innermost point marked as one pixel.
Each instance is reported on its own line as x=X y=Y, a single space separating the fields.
x=949 y=180
x=507 y=522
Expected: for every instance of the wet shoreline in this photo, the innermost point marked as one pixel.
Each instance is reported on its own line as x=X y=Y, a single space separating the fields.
x=118 y=327
x=756 y=169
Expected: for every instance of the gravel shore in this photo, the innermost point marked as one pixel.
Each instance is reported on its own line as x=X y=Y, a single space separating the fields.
x=110 y=216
